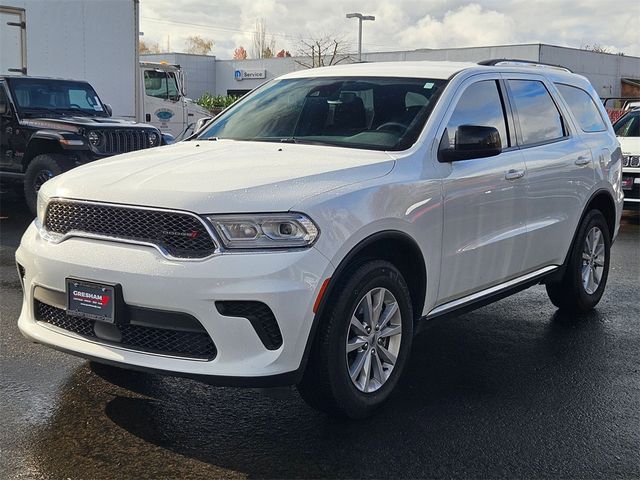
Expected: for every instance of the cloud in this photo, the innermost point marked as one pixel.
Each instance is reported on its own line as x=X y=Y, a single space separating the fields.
x=400 y=24
x=467 y=26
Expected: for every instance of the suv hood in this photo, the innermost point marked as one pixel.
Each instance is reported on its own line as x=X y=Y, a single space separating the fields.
x=630 y=145
x=221 y=176
x=84 y=122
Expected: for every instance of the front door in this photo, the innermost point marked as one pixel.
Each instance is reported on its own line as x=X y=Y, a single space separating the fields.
x=163 y=103
x=484 y=200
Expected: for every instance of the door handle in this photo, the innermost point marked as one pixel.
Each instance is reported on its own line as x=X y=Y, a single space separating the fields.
x=514 y=174
x=582 y=160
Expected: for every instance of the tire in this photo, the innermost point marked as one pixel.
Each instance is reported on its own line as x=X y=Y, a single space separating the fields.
x=327 y=384
x=42 y=166
x=575 y=292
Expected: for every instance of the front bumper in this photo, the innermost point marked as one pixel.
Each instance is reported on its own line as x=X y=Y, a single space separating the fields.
x=287 y=282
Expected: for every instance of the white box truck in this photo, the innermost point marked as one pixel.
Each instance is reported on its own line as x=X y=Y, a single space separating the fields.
x=96 y=42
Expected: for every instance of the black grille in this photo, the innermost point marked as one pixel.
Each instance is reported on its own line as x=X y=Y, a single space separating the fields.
x=121 y=141
x=261 y=318
x=180 y=234
x=134 y=337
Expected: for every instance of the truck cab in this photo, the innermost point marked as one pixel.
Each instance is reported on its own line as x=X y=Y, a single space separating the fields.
x=49 y=126
x=164 y=103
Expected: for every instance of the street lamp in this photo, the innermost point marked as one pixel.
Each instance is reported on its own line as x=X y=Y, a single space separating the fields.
x=360 y=18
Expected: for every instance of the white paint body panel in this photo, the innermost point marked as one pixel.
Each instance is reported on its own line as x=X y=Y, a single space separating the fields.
x=475 y=230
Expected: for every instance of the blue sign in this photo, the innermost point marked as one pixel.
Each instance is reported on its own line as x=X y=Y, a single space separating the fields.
x=237 y=74
x=164 y=114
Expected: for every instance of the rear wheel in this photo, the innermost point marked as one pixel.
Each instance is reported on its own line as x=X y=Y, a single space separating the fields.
x=587 y=270
x=41 y=169
x=363 y=342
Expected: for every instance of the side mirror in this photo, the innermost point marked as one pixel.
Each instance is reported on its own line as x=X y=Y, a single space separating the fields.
x=4 y=108
x=201 y=123
x=471 y=141
x=108 y=108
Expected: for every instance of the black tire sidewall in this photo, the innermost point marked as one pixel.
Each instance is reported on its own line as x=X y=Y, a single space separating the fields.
x=353 y=402
x=48 y=162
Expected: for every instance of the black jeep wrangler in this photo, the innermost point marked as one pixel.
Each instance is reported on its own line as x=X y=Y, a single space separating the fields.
x=48 y=126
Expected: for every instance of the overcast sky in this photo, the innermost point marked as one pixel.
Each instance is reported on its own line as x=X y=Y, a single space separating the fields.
x=399 y=24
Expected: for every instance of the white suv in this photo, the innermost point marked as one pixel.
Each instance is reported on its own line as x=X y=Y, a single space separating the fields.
x=307 y=231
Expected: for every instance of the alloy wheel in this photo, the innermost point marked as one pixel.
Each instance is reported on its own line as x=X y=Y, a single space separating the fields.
x=593 y=260
x=373 y=340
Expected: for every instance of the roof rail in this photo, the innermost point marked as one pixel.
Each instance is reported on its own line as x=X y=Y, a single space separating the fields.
x=514 y=62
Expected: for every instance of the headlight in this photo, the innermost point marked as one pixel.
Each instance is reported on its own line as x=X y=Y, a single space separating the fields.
x=95 y=138
x=154 y=139
x=282 y=230
x=41 y=207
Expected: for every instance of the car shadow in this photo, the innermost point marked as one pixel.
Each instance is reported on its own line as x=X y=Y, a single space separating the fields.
x=482 y=391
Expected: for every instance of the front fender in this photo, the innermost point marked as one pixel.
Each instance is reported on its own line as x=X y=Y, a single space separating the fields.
x=65 y=140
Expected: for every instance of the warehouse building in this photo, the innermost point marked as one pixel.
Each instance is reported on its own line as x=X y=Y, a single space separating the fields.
x=611 y=75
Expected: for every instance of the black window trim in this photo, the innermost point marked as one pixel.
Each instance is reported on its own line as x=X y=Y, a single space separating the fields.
x=604 y=123
x=565 y=127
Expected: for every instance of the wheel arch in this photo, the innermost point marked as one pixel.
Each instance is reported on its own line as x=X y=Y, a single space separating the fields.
x=39 y=144
x=396 y=247
x=601 y=200
x=377 y=246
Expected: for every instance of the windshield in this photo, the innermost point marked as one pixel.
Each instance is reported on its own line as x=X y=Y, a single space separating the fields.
x=370 y=113
x=36 y=97
x=628 y=126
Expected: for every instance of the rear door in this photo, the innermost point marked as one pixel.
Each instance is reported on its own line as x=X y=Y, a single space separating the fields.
x=484 y=199
x=560 y=173
x=12 y=41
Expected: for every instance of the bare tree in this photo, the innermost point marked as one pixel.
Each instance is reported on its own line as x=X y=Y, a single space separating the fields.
x=148 y=47
x=596 y=47
x=263 y=47
x=322 y=51
x=199 y=45
x=240 y=53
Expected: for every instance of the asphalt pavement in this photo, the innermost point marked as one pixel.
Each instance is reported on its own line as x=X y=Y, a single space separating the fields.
x=512 y=390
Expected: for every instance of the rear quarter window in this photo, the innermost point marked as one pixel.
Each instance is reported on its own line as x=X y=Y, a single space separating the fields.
x=583 y=108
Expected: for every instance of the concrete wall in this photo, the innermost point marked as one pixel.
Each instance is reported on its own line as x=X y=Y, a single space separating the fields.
x=605 y=71
x=199 y=70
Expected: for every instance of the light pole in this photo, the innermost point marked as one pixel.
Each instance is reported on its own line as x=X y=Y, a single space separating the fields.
x=360 y=18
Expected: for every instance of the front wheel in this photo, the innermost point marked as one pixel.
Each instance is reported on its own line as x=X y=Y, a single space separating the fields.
x=41 y=169
x=587 y=270
x=363 y=342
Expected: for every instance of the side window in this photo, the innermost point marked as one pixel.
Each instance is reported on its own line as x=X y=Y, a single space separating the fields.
x=480 y=105
x=155 y=84
x=628 y=126
x=3 y=97
x=583 y=108
x=540 y=120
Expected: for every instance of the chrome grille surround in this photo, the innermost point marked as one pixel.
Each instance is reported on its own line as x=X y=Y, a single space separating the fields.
x=176 y=234
x=632 y=161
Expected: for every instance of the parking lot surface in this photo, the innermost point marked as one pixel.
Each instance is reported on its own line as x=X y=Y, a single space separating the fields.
x=512 y=390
